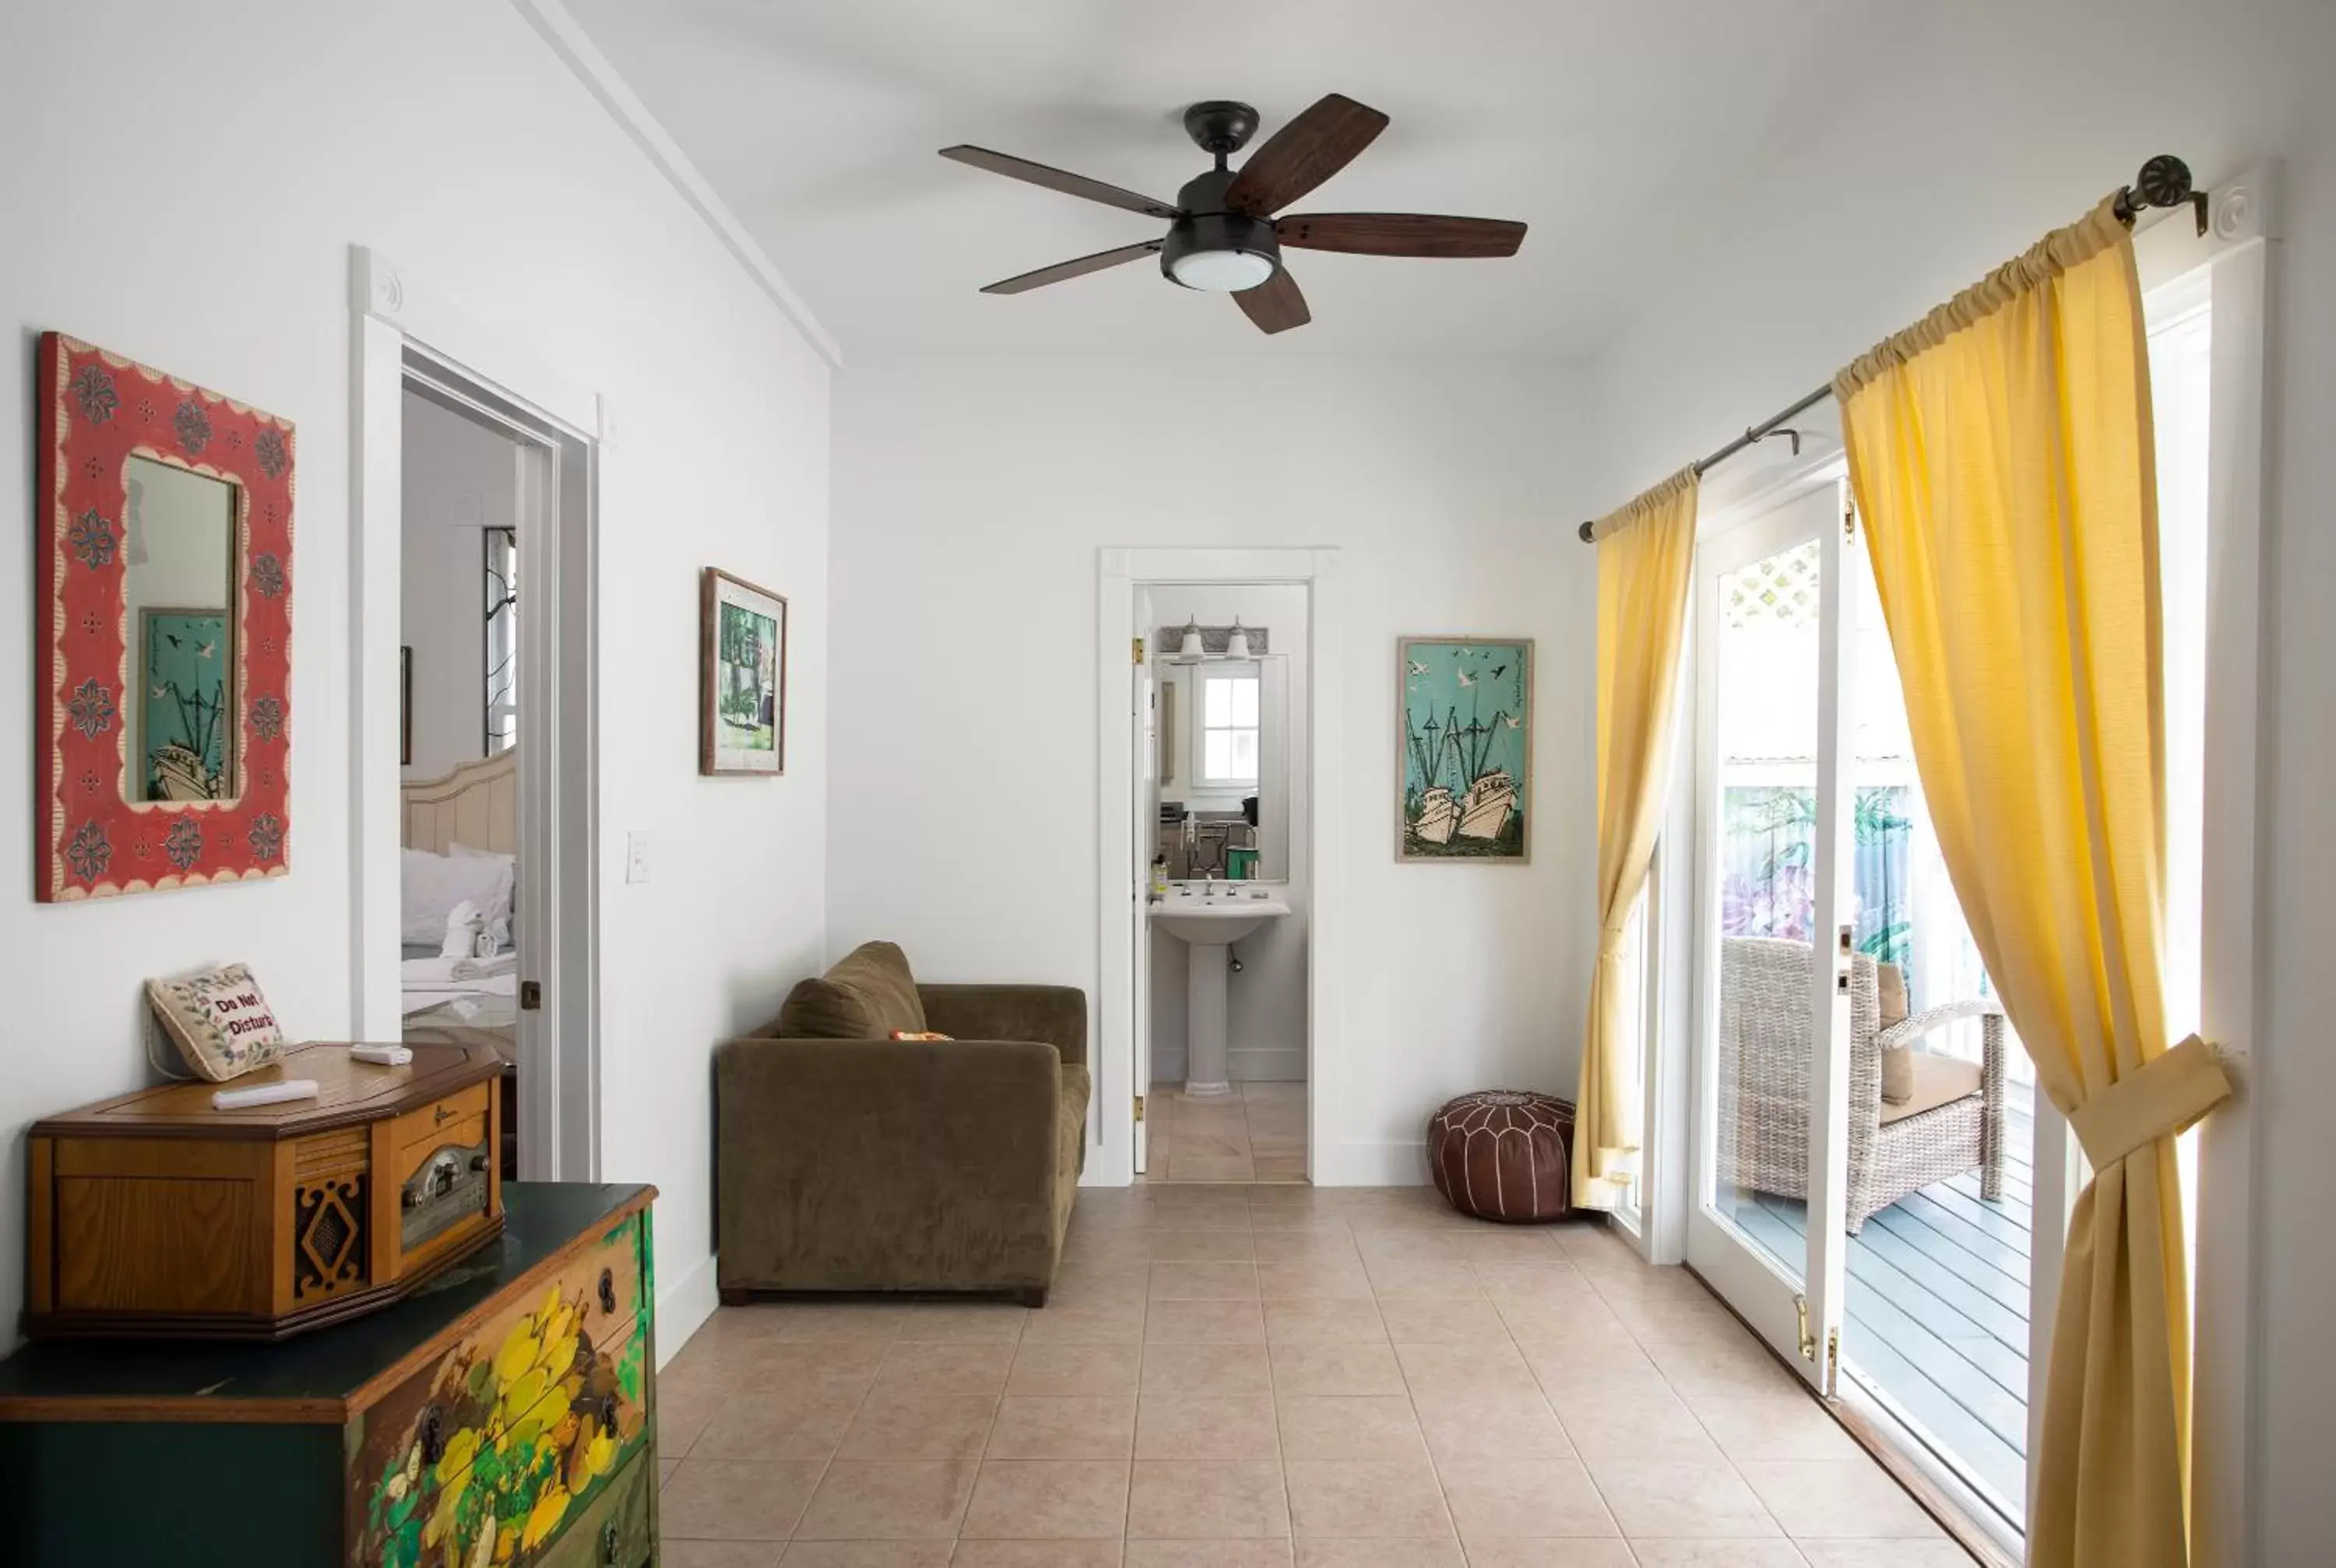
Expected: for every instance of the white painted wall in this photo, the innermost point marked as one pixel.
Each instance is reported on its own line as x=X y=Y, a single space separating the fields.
x=1452 y=488
x=203 y=225
x=1995 y=123
x=1265 y=1004
x=459 y=479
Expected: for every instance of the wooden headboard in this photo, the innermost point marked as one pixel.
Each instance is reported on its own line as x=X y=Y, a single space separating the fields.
x=477 y=804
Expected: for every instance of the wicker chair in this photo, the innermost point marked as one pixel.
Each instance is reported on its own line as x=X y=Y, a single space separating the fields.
x=1764 y=1086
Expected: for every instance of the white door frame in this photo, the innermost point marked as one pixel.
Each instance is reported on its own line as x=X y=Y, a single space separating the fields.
x=564 y=427
x=1119 y=905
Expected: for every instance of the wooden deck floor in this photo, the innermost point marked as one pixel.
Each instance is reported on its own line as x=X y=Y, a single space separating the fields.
x=1937 y=1314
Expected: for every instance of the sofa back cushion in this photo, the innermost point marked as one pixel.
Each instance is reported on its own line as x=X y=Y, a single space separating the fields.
x=867 y=996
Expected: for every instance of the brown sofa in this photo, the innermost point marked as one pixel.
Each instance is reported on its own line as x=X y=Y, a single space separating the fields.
x=850 y=1160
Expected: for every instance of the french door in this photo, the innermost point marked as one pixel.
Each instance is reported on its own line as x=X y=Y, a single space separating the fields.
x=1769 y=1127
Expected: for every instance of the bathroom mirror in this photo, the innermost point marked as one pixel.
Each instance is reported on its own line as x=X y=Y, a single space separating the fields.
x=1224 y=730
x=179 y=591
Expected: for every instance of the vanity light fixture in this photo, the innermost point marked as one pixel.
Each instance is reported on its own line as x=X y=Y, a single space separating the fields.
x=1190 y=647
x=1236 y=644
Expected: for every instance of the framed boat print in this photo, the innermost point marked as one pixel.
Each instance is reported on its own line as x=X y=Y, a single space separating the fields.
x=164 y=568
x=1465 y=771
x=742 y=719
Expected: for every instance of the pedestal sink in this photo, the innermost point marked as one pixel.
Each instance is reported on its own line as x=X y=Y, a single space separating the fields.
x=1211 y=923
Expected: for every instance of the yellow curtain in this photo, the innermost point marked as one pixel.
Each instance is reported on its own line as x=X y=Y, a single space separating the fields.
x=1644 y=551
x=2002 y=459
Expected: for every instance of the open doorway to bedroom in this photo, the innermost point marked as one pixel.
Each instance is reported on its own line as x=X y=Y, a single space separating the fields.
x=464 y=501
x=494 y=633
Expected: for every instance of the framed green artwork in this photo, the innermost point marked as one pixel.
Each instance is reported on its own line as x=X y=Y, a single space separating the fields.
x=186 y=704
x=741 y=721
x=1465 y=767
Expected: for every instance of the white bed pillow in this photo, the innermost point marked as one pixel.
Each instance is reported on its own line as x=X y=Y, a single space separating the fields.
x=499 y=915
x=433 y=884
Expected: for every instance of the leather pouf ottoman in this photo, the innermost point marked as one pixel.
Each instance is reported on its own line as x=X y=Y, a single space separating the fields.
x=1503 y=1154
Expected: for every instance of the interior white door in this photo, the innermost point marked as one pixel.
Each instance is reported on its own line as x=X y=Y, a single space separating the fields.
x=1772 y=1035
x=1145 y=700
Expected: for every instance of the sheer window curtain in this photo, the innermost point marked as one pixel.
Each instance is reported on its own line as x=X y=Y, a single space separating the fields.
x=1645 y=552
x=2002 y=459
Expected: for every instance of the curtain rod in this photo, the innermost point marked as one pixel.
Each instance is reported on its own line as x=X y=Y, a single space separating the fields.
x=2164 y=182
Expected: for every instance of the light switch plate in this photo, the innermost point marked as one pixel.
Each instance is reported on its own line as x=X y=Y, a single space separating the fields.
x=636 y=857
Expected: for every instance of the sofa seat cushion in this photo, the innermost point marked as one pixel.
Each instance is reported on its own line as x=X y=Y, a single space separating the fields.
x=1938 y=1081
x=868 y=995
x=1079 y=1087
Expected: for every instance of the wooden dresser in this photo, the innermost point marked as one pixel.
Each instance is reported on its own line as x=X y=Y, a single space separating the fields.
x=504 y=1414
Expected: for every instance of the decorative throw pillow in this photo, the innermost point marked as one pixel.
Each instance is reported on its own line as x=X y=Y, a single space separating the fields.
x=1898 y=1062
x=868 y=994
x=920 y=1035
x=218 y=1020
x=433 y=884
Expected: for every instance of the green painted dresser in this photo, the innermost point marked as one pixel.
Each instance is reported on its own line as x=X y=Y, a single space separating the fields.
x=506 y=1414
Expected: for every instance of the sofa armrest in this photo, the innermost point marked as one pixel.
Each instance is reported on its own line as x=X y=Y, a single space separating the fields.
x=872 y=1164
x=1054 y=1014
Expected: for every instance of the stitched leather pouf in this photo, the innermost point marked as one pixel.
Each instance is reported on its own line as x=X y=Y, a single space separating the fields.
x=1503 y=1154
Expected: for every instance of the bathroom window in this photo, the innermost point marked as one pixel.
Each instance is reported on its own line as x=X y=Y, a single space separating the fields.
x=1227 y=732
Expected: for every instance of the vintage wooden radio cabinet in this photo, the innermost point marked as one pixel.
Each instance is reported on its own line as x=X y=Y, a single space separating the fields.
x=155 y=1214
x=506 y=1415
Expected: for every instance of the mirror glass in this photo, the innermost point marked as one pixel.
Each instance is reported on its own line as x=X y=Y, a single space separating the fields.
x=1224 y=728
x=179 y=591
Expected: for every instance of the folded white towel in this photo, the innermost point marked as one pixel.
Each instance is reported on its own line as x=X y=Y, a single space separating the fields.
x=444 y=970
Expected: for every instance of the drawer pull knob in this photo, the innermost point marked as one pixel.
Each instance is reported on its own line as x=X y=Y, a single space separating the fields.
x=610 y=1543
x=434 y=1435
x=607 y=1290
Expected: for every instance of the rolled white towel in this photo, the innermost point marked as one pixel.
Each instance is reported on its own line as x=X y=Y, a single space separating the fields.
x=463 y=924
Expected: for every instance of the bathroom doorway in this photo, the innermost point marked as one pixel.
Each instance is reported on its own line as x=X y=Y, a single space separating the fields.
x=1222 y=827
x=1213 y=899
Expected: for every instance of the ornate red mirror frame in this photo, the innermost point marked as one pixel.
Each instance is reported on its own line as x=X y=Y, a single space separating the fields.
x=97 y=412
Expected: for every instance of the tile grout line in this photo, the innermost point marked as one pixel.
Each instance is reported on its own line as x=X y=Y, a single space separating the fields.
x=997 y=1410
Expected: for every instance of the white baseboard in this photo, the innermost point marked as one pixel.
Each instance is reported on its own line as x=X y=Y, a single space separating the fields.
x=1366 y=1163
x=1267 y=1064
x=683 y=1307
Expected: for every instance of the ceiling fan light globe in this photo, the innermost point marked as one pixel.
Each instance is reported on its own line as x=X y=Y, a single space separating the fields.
x=1220 y=271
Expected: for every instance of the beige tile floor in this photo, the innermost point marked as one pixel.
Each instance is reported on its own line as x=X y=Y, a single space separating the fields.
x=1257 y=1134
x=1237 y=1377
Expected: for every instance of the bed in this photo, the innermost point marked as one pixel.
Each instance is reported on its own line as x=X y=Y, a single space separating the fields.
x=476 y=806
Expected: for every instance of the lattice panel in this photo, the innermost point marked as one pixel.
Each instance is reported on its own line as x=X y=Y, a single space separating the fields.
x=1781 y=590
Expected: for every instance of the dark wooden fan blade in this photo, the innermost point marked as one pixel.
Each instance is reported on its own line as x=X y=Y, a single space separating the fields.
x=1401 y=234
x=1302 y=155
x=1275 y=305
x=1078 y=269
x=1069 y=184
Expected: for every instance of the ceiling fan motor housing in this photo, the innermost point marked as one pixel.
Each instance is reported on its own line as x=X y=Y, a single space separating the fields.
x=1208 y=225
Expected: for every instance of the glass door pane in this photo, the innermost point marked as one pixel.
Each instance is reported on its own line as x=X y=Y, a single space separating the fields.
x=1766 y=1020
x=1766 y=653
x=1936 y=1239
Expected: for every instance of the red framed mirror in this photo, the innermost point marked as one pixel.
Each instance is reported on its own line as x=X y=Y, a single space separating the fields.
x=165 y=577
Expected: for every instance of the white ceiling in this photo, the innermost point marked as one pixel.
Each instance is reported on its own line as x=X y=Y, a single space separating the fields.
x=1606 y=127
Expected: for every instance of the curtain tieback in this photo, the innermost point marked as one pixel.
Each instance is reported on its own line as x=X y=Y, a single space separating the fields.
x=2167 y=1095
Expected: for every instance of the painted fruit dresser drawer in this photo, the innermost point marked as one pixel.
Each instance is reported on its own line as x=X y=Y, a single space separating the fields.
x=505 y=1415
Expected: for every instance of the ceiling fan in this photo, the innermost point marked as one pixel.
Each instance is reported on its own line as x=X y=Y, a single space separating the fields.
x=1221 y=231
